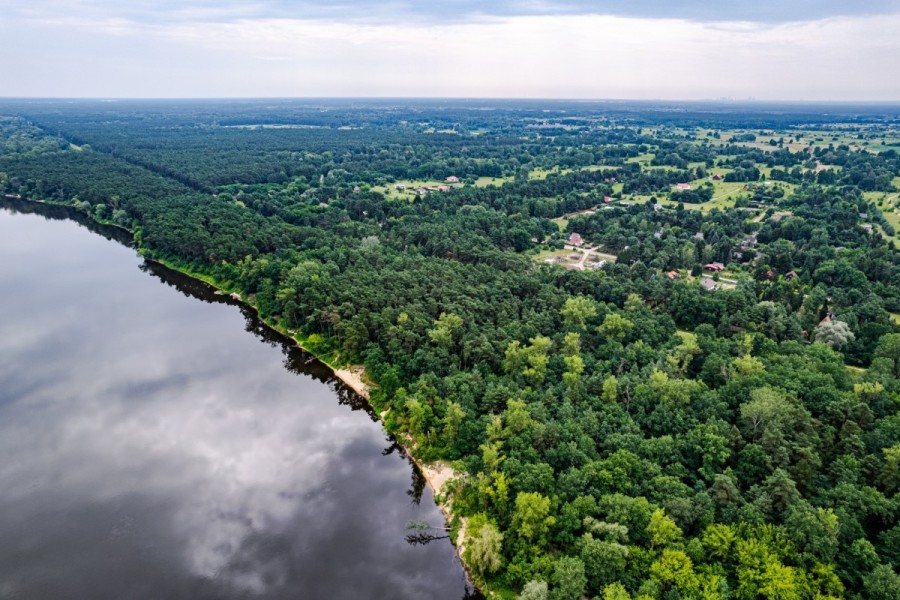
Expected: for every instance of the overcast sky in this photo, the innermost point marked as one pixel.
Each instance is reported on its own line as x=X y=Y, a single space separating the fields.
x=653 y=49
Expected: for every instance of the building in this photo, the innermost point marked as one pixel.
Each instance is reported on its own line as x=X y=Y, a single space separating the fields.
x=682 y=186
x=673 y=275
x=452 y=179
x=790 y=275
x=714 y=267
x=575 y=239
x=709 y=284
x=443 y=188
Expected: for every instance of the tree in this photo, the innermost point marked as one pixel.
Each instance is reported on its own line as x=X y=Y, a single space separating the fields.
x=604 y=562
x=569 y=580
x=615 y=591
x=834 y=333
x=485 y=549
x=531 y=518
x=889 y=349
x=882 y=584
x=578 y=310
x=615 y=326
x=662 y=529
x=673 y=569
x=446 y=329
x=534 y=590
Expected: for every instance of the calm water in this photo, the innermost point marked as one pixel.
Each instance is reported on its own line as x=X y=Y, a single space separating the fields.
x=158 y=442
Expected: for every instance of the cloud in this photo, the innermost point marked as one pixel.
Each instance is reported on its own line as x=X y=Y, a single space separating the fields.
x=584 y=56
x=451 y=11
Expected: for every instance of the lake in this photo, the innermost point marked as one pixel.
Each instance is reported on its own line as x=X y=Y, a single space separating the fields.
x=158 y=441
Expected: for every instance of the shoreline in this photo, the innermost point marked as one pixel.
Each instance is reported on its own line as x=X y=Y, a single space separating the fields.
x=436 y=474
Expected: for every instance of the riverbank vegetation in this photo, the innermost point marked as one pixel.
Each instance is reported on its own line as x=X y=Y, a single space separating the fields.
x=621 y=428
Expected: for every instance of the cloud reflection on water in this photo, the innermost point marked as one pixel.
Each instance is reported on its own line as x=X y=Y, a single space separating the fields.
x=154 y=448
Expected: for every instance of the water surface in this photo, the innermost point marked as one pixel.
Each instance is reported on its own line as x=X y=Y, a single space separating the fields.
x=157 y=441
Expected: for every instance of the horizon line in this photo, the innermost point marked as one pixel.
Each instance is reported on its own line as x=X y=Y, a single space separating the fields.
x=461 y=99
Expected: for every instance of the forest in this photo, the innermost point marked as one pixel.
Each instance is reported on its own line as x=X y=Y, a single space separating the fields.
x=711 y=411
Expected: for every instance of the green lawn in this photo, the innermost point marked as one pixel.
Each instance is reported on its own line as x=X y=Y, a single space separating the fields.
x=497 y=181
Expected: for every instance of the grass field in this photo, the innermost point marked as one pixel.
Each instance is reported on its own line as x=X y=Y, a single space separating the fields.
x=497 y=181
x=549 y=253
x=390 y=191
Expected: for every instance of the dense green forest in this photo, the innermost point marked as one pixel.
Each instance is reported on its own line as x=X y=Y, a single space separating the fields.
x=710 y=411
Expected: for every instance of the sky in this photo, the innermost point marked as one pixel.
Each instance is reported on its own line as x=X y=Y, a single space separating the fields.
x=823 y=50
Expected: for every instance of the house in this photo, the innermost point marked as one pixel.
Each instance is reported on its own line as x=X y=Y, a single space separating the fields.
x=356 y=190
x=682 y=186
x=607 y=199
x=867 y=227
x=790 y=275
x=399 y=187
x=658 y=233
x=714 y=267
x=778 y=216
x=421 y=191
x=452 y=179
x=709 y=284
x=699 y=235
x=575 y=239
x=673 y=275
x=443 y=188
x=717 y=177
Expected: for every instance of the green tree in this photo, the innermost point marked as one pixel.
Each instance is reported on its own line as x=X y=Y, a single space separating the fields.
x=534 y=590
x=662 y=529
x=834 y=333
x=578 y=310
x=568 y=579
x=485 y=549
x=531 y=518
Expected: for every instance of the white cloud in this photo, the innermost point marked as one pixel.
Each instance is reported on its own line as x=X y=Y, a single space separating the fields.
x=559 y=56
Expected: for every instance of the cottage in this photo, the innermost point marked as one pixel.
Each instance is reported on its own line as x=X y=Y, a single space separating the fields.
x=699 y=235
x=452 y=179
x=607 y=199
x=717 y=177
x=399 y=187
x=714 y=267
x=780 y=215
x=682 y=186
x=867 y=227
x=443 y=188
x=673 y=275
x=790 y=275
x=575 y=239
x=709 y=284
